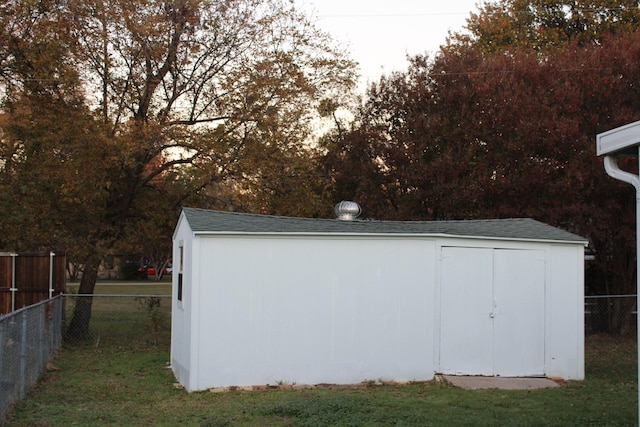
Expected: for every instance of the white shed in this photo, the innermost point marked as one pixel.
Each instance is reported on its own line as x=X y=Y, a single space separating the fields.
x=263 y=300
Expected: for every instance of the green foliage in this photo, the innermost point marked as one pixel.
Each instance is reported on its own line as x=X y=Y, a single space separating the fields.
x=509 y=25
x=155 y=315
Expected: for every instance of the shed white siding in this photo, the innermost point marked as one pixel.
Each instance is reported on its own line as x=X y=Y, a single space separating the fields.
x=312 y=310
x=264 y=308
x=182 y=314
x=564 y=299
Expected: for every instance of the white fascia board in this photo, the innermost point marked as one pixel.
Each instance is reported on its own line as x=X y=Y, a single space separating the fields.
x=620 y=140
x=386 y=235
x=181 y=218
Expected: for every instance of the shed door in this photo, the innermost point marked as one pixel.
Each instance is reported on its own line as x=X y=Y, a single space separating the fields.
x=492 y=312
x=466 y=332
x=518 y=334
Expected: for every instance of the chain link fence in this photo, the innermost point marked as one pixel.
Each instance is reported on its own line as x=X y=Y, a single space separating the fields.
x=614 y=315
x=29 y=338
x=130 y=321
x=121 y=321
x=139 y=321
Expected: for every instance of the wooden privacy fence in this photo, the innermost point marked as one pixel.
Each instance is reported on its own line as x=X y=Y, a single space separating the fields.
x=28 y=278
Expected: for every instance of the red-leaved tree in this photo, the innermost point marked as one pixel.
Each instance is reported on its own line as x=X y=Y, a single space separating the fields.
x=474 y=134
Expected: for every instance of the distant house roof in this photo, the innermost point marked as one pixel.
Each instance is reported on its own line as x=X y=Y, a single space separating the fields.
x=204 y=221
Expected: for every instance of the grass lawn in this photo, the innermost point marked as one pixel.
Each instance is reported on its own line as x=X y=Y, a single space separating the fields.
x=110 y=384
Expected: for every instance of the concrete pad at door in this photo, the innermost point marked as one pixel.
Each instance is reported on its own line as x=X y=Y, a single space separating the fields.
x=503 y=383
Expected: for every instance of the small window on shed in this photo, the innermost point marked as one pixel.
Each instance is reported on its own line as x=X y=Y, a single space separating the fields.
x=180 y=266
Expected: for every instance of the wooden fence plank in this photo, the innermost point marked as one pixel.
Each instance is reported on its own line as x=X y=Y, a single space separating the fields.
x=34 y=276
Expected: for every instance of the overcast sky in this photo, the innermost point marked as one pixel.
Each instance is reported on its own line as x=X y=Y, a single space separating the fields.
x=379 y=33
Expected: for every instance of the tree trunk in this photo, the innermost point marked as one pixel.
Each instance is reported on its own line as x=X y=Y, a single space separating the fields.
x=79 y=325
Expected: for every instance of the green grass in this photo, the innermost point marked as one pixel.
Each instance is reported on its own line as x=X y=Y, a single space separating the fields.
x=122 y=383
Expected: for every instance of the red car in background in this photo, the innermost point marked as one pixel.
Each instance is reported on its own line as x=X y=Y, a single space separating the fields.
x=151 y=271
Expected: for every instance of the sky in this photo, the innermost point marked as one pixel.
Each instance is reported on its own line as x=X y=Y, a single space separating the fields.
x=379 y=33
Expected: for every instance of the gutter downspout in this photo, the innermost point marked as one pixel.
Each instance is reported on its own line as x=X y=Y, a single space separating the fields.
x=612 y=168
x=614 y=171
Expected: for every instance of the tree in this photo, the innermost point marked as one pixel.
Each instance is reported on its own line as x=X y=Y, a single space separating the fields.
x=473 y=134
x=400 y=160
x=44 y=141
x=543 y=24
x=168 y=92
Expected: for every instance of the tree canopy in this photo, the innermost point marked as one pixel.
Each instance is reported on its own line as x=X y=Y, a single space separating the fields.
x=495 y=131
x=543 y=24
x=114 y=113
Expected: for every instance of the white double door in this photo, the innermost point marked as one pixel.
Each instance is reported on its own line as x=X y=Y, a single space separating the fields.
x=492 y=312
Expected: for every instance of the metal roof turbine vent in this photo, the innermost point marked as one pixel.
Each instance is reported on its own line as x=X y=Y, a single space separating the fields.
x=347 y=211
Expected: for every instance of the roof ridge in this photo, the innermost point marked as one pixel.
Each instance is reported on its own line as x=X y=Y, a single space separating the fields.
x=361 y=219
x=210 y=221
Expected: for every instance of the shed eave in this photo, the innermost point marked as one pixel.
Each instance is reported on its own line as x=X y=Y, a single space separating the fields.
x=386 y=235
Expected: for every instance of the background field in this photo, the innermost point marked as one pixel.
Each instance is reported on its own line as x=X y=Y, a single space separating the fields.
x=121 y=377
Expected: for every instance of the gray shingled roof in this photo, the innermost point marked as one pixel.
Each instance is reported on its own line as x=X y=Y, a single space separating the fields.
x=208 y=221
